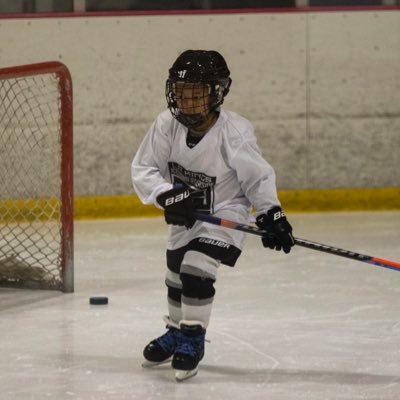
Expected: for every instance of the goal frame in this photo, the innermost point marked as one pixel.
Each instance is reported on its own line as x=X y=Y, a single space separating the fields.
x=66 y=143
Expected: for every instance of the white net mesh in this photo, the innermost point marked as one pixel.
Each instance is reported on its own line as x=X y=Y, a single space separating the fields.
x=30 y=182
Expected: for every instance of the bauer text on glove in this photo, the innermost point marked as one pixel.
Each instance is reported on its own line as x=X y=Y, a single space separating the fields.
x=178 y=207
x=279 y=231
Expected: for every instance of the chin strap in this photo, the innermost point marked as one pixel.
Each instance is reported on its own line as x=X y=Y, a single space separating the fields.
x=191 y=120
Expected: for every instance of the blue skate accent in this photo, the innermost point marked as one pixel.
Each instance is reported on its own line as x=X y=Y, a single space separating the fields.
x=169 y=340
x=190 y=345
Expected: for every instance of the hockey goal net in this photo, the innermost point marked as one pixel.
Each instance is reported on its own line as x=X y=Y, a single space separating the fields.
x=36 y=219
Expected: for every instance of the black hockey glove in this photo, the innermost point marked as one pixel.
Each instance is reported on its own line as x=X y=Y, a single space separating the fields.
x=178 y=207
x=279 y=231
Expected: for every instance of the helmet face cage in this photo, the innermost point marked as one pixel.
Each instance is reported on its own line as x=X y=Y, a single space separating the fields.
x=197 y=85
x=191 y=102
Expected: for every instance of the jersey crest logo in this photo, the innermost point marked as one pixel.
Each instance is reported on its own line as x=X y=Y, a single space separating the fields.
x=203 y=196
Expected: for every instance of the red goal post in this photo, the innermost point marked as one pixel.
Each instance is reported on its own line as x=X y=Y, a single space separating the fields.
x=36 y=177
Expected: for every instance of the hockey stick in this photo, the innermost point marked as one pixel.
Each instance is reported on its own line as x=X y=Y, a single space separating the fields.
x=379 y=262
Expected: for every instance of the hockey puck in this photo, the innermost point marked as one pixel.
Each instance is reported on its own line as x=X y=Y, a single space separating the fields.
x=98 y=300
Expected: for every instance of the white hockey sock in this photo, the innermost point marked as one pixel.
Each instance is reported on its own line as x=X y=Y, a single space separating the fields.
x=174 y=311
x=197 y=312
x=198 y=275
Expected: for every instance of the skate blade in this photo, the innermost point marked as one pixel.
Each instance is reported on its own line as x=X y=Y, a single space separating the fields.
x=151 y=364
x=181 y=376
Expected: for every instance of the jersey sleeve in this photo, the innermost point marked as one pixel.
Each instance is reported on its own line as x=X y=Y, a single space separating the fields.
x=255 y=175
x=150 y=163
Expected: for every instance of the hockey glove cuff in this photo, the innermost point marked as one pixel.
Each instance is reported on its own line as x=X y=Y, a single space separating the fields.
x=178 y=207
x=279 y=231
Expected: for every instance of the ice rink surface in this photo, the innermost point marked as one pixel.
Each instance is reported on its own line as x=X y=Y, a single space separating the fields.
x=304 y=326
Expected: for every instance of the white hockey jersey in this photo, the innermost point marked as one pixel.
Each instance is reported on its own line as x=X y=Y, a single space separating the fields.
x=226 y=167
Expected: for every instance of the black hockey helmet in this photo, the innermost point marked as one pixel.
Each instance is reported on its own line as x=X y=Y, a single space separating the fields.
x=198 y=67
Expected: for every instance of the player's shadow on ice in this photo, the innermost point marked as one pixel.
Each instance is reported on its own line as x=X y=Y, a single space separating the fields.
x=225 y=373
x=221 y=373
x=256 y=375
x=11 y=299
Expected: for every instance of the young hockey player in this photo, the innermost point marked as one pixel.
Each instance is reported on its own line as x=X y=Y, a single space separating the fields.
x=199 y=157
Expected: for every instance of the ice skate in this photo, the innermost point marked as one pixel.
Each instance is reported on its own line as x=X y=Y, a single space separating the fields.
x=160 y=350
x=190 y=350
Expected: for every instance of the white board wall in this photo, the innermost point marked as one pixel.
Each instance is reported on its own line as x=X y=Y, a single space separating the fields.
x=322 y=89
